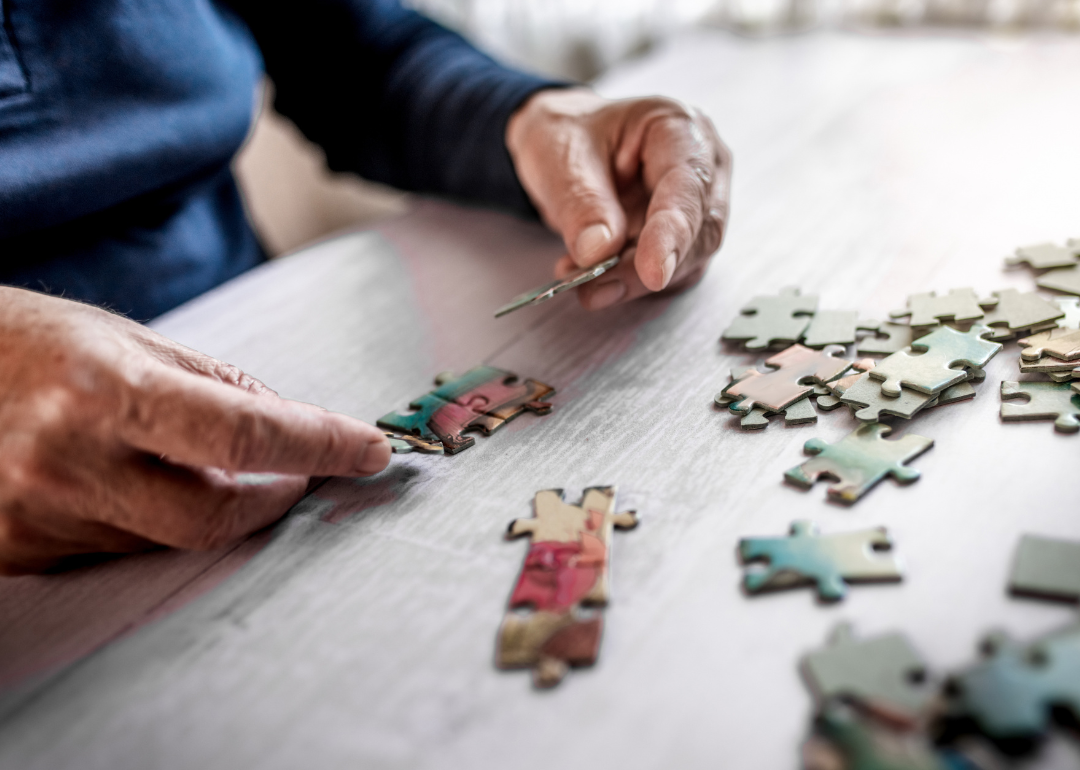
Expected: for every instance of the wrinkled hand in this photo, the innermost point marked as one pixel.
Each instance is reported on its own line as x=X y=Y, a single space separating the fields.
x=114 y=438
x=603 y=172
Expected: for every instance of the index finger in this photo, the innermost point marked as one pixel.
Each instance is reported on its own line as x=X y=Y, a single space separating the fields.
x=195 y=420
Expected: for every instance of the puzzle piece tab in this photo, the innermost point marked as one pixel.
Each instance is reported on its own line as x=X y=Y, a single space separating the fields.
x=403 y=443
x=933 y=370
x=1046 y=567
x=827 y=561
x=1012 y=692
x=869 y=404
x=566 y=569
x=482 y=399
x=859 y=461
x=929 y=309
x=768 y=320
x=888 y=339
x=1046 y=401
x=788 y=382
x=885 y=671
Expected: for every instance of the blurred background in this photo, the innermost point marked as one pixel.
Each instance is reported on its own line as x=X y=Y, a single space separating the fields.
x=293 y=200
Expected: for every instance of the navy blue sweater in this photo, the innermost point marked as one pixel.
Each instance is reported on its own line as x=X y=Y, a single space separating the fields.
x=118 y=120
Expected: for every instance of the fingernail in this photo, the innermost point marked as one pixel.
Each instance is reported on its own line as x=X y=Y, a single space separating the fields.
x=607 y=294
x=375 y=457
x=668 y=268
x=590 y=243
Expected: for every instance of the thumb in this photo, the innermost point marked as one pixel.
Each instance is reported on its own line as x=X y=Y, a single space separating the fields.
x=585 y=209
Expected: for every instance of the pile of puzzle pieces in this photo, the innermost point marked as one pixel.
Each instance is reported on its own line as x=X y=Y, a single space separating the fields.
x=934 y=351
x=878 y=707
x=1051 y=353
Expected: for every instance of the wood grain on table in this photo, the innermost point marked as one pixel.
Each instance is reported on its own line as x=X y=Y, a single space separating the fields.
x=360 y=631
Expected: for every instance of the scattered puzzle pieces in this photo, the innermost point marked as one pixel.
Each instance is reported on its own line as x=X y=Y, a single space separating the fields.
x=836 y=388
x=859 y=461
x=1043 y=256
x=800 y=413
x=1066 y=280
x=884 y=671
x=827 y=561
x=782 y=386
x=1046 y=567
x=929 y=309
x=831 y=327
x=769 y=320
x=482 y=399
x=567 y=568
x=869 y=404
x=1012 y=692
x=1063 y=344
x=1015 y=312
x=1055 y=401
x=932 y=371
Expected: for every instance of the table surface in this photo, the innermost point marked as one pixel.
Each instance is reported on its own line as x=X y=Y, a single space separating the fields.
x=359 y=632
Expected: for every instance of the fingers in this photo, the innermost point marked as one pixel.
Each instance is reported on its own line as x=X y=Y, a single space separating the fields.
x=688 y=174
x=35 y=545
x=195 y=421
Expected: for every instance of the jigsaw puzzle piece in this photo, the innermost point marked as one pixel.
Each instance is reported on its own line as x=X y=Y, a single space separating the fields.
x=929 y=309
x=1046 y=401
x=889 y=338
x=827 y=561
x=800 y=413
x=549 y=643
x=416 y=423
x=1044 y=256
x=768 y=320
x=835 y=389
x=859 y=461
x=1047 y=568
x=497 y=393
x=961 y=391
x=869 y=404
x=1012 y=692
x=884 y=672
x=783 y=385
x=1062 y=344
x=1068 y=376
x=403 y=443
x=831 y=327
x=1066 y=280
x=1015 y=312
x=933 y=370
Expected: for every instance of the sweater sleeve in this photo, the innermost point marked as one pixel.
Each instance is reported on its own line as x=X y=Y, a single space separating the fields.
x=393 y=96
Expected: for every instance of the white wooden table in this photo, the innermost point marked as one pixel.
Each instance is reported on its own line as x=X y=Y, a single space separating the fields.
x=359 y=632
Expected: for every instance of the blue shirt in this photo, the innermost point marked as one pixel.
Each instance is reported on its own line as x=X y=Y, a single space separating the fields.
x=119 y=118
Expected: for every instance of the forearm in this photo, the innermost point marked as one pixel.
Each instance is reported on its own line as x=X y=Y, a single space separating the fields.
x=394 y=96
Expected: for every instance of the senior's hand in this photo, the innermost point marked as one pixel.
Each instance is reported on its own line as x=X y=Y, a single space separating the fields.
x=114 y=438
x=603 y=172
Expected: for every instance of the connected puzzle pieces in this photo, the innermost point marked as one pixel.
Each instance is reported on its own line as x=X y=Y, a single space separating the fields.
x=565 y=570
x=482 y=399
x=859 y=461
x=827 y=561
x=768 y=320
x=1055 y=401
x=930 y=309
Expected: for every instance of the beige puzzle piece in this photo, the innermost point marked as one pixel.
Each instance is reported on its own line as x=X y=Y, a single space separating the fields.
x=1044 y=256
x=1066 y=280
x=929 y=309
x=1063 y=344
x=779 y=388
x=1016 y=312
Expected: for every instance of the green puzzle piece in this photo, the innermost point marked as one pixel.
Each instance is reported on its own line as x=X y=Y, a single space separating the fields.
x=1011 y=693
x=933 y=370
x=1055 y=401
x=859 y=460
x=829 y=561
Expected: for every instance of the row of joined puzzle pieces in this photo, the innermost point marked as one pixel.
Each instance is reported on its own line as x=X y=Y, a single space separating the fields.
x=879 y=708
